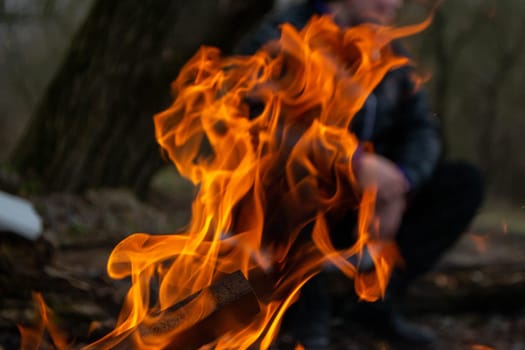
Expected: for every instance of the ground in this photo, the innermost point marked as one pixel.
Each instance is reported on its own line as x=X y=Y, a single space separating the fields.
x=473 y=299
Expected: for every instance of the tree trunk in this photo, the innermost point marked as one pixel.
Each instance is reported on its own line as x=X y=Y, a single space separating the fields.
x=93 y=127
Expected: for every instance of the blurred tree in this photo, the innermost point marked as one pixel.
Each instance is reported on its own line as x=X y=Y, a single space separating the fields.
x=476 y=57
x=93 y=127
x=500 y=139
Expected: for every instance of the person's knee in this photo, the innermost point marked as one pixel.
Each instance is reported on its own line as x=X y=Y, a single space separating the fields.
x=470 y=182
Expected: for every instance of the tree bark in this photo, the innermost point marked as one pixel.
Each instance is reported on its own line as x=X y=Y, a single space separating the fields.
x=93 y=127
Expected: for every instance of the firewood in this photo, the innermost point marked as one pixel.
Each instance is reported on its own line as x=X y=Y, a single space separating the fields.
x=226 y=305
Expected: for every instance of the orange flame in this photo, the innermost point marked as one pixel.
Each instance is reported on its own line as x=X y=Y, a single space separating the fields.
x=481 y=347
x=266 y=140
x=505 y=227
x=266 y=178
x=480 y=241
x=32 y=336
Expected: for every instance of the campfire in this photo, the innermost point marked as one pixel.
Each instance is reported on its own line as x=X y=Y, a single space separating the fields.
x=266 y=141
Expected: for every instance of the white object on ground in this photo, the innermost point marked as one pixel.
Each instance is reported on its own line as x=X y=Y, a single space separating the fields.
x=17 y=215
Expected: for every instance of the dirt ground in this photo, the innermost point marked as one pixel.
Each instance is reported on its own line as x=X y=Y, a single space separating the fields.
x=473 y=299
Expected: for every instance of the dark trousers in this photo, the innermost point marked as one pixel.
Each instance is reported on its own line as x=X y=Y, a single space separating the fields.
x=436 y=216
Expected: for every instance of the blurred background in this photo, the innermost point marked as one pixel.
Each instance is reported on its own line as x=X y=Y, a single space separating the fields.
x=34 y=36
x=472 y=58
x=81 y=80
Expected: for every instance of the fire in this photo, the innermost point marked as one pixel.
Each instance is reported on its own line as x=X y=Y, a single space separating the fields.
x=481 y=347
x=266 y=140
x=505 y=227
x=32 y=336
x=480 y=241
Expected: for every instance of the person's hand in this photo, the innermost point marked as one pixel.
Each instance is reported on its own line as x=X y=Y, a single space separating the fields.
x=377 y=171
x=391 y=186
x=389 y=215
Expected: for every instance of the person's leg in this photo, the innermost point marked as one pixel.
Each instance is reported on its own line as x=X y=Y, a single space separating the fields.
x=434 y=220
x=308 y=320
x=437 y=216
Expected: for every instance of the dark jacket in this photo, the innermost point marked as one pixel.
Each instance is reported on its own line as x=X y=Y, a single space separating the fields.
x=395 y=118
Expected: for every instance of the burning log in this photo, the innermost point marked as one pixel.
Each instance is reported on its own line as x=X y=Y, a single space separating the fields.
x=226 y=305
x=269 y=184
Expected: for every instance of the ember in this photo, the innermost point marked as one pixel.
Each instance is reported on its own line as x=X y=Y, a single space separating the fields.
x=265 y=138
x=481 y=347
x=480 y=241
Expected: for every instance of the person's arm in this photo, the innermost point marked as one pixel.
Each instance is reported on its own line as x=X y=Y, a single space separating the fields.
x=378 y=173
x=418 y=148
x=268 y=30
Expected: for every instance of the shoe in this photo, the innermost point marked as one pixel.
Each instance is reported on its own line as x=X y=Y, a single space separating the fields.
x=383 y=322
x=308 y=322
x=408 y=332
x=311 y=334
x=290 y=342
x=315 y=342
